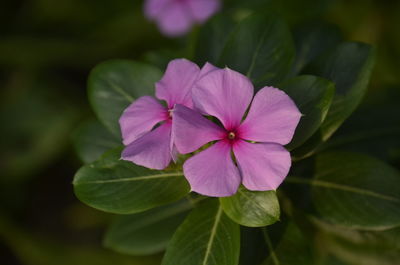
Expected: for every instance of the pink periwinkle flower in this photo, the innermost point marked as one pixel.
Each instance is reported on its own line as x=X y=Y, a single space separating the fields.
x=250 y=151
x=176 y=17
x=146 y=124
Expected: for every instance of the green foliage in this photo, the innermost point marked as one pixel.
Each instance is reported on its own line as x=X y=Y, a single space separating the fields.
x=261 y=47
x=113 y=185
x=206 y=237
x=148 y=232
x=114 y=85
x=252 y=208
x=313 y=96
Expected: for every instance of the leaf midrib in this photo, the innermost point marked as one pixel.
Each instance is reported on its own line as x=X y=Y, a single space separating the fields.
x=212 y=235
x=156 y=176
x=332 y=185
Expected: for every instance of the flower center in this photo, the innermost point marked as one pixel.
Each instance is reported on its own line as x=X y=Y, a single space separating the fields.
x=170 y=113
x=231 y=135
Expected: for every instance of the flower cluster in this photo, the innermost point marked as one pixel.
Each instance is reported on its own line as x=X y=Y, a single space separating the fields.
x=246 y=146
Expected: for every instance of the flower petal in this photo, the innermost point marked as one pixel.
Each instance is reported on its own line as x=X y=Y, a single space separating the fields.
x=212 y=171
x=225 y=94
x=273 y=117
x=191 y=130
x=174 y=20
x=152 y=150
x=153 y=8
x=176 y=84
x=263 y=166
x=202 y=10
x=140 y=117
x=206 y=69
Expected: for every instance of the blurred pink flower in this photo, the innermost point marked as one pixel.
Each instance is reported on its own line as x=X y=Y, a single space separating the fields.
x=176 y=17
x=257 y=142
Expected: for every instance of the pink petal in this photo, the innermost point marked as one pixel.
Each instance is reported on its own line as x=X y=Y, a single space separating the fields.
x=263 y=166
x=176 y=84
x=206 y=69
x=225 y=94
x=152 y=150
x=201 y=10
x=140 y=117
x=273 y=117
x=175 y=20
x=212 y=171
x=191 y=130
x=153 y=8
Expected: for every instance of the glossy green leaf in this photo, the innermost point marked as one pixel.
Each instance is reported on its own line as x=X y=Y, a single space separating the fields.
x=148 y=232
x=114 y=85
x=261 y=48
x=92 y=139
x=313 y=96
x=212 y=38
x=252 y=208
x=206 y=237
x=354 y=191
x=294 y=248
x=349 y=66
x=113 y=185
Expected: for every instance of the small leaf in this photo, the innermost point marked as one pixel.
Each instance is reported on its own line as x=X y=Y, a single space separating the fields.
x=354 y=191
x=349 y=66
x=252 y=208
x=91 y=140
x=148 y=232
x=114 y=85
x=313 y=96
x=117 y=186
x=206 y=237
x=261 y=48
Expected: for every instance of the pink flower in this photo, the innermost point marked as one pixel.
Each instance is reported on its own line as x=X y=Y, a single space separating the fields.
x=257 y=142
x=146 y=144
x=176 y=17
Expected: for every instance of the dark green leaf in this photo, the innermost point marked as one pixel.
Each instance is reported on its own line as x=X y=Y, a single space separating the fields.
x=206 y=237
x=293 y=249
x=114 y=85
x=212 y=38
x=355 y=191
x=349 y=66
x=253 y=249
x=252 y=208
x=313 y=96
x=311 y=40
x=91 y=140
x=261 y=48
x=113 y=185
x=148 y=232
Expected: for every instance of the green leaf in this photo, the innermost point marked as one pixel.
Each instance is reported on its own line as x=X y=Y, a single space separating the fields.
x=311 y=40
x=293 y=249
x=212 y=38
x=206 y=237
x=261 y=48
x=114 y=85
x=91 y=140
x=252 y=208
x=148 y=232
x=361 y=247
x=313 y=96
x=354 y=191
x=117 y=186
x=349 y=66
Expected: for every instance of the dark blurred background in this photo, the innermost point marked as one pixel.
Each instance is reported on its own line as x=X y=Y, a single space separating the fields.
x=47 y=49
